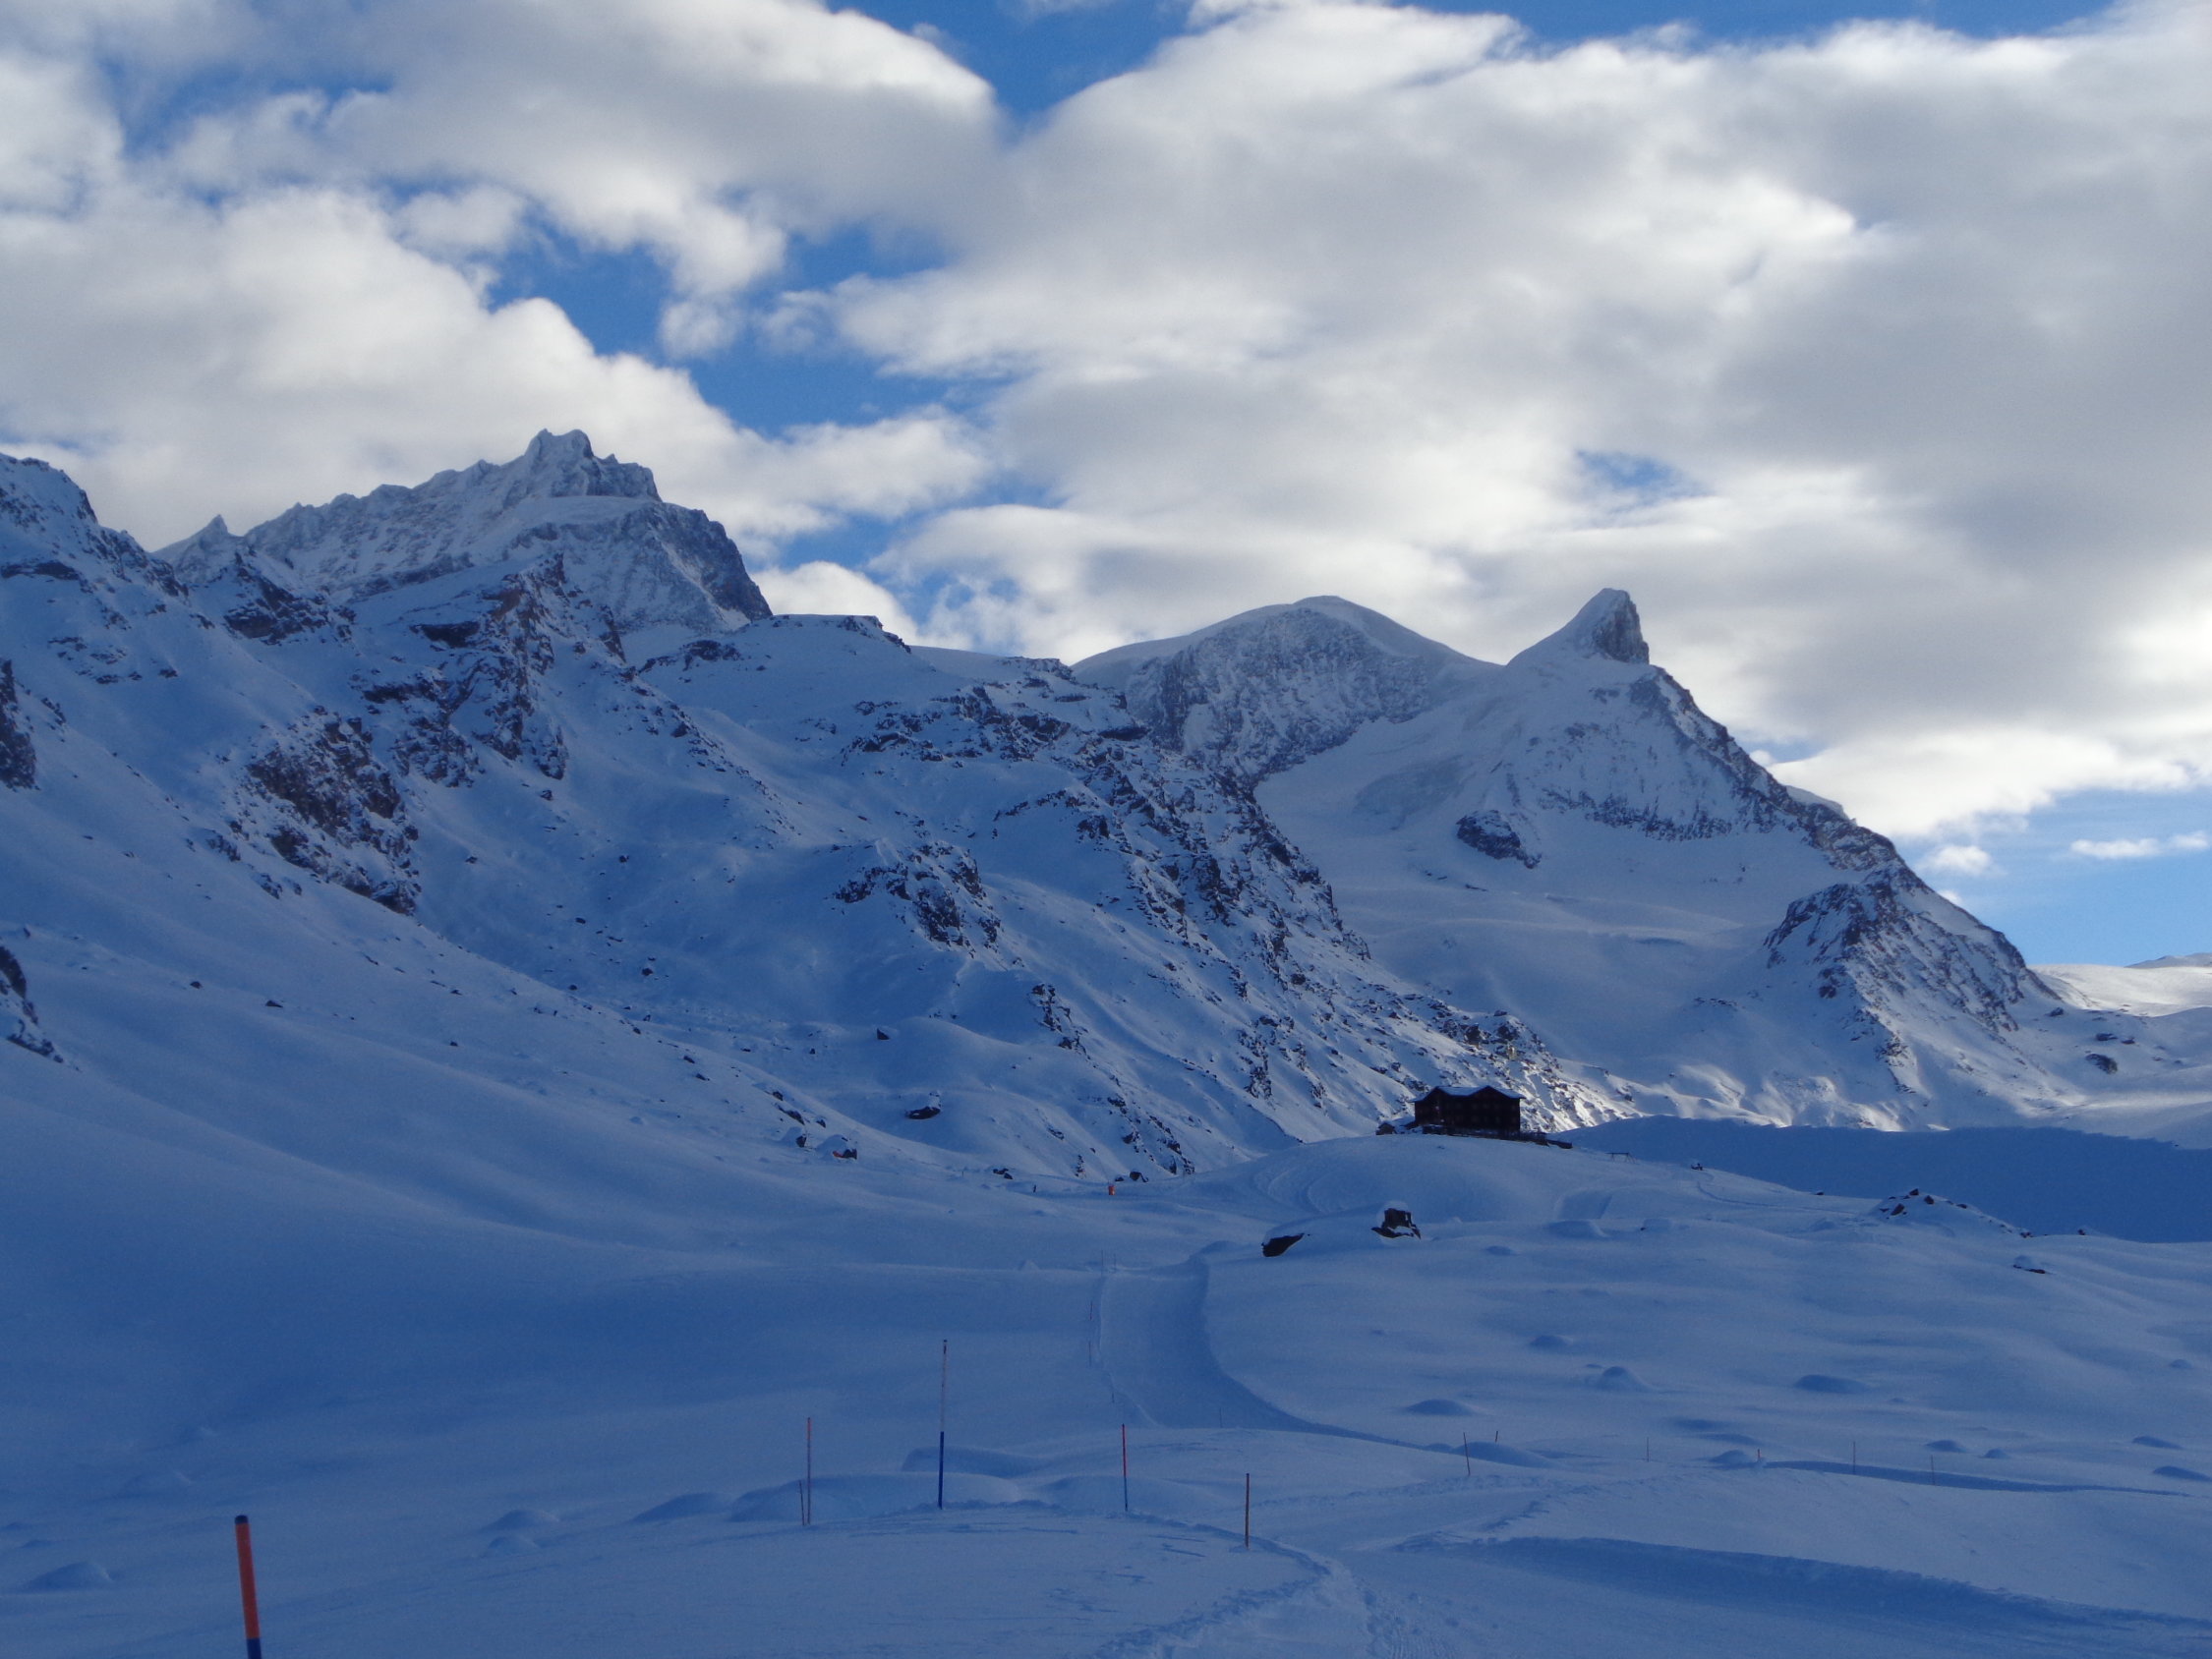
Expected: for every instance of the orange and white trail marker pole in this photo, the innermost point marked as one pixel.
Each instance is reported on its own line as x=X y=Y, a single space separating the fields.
x=246 y=1596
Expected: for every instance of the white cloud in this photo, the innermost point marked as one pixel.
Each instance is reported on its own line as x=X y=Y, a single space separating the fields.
x=820 y=587
x=251 y=317
x=1958 y=859
x=2148 y=846
x=1330 y=297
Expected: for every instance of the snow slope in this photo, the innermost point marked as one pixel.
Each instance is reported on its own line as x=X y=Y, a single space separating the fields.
x=1598 y=1406
x=2054 y=1180
x=784 y=879
x=2165 y=985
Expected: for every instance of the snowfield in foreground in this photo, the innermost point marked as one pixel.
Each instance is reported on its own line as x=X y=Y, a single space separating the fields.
x=1600 y=1407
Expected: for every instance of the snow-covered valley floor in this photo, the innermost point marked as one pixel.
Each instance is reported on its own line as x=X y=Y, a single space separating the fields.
x=1601 y=1407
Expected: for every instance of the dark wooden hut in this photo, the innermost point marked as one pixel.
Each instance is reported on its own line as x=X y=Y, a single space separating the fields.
x=1485 y=1111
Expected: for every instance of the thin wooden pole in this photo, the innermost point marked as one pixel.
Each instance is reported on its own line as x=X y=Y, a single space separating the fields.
x=807 y=1492
x=1248 y=1520
x=1468 y=1451
x=1125 y=1469
x=943 y=1391
x=246 y=1594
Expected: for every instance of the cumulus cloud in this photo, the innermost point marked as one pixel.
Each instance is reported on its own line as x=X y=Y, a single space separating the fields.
x=1878 y=366
x=1957 y=859
x=274 y=307
x=820 y=587
x=1888 y=344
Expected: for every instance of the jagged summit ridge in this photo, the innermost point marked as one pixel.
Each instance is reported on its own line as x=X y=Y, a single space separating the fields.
x=1607 y=629
x=648 y=563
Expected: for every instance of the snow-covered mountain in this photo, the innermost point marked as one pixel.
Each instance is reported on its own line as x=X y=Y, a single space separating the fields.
x=527 y=736
x=516 y=1058
x=1568 y=837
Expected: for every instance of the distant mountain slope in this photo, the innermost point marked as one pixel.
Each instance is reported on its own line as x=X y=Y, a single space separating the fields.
x=933 y=915
x=1570 y=837
x=2164 y=986
x=503 y=802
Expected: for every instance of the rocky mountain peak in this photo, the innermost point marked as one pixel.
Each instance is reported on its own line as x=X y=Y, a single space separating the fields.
x=563 y=465
x=1606 y=628
x=600 y=520
x=40 y=505
x=1271 y=687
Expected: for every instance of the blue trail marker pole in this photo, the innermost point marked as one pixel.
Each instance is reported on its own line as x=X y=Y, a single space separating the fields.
x=944 y=1386
x=246 y=1594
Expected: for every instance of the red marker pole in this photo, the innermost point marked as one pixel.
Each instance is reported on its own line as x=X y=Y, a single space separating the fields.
x=246 y=1594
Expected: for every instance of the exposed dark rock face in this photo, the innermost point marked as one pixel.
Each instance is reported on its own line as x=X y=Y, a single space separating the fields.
x=18 y=1020
x=323 y=803
x=1492 y=834
x=486 y=693
x=18 y=758
x=269 y=614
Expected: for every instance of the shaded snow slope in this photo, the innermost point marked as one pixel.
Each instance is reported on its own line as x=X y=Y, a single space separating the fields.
x=2051 y=1180
x=1598 y=1406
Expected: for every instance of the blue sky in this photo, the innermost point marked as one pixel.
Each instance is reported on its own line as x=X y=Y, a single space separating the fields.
x=1874 y=361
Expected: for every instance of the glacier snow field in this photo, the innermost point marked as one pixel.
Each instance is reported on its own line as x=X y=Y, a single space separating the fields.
x=1598 y=1406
